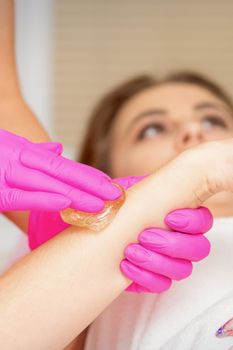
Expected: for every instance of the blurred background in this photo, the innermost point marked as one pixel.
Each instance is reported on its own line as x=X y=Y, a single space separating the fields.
x=70 y=52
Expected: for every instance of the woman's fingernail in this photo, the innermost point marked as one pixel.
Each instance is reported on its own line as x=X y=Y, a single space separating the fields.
x=226 y=330
x=153 y=239
x=136 y=254
x=177 y=220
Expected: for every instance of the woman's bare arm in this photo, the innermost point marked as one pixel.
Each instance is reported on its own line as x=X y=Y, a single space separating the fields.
x=15 y=114
x=58 y=290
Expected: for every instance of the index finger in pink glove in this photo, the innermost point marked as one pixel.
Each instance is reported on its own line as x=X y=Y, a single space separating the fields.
x=191 y=221
x=175 y=244
x=29 y=179
x=81 y=176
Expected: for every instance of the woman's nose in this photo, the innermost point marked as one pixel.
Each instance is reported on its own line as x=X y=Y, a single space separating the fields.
x=189 y=136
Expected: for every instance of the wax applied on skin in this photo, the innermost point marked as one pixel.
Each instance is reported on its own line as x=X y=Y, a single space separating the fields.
x=94 y=221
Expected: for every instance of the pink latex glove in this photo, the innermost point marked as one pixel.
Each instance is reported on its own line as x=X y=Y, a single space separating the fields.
x=165 y=255
x=34 y=176
x=160 y=256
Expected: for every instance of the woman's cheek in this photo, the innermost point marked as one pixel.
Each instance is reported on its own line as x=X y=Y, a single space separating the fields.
x=218 y=135
x=140 y=158
x=143 y=160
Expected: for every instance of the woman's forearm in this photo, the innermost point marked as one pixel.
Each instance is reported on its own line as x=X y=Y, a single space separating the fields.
x=55 y=292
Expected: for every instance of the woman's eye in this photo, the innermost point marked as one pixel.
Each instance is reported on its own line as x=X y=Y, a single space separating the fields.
x=213 y=121
x=150 y=131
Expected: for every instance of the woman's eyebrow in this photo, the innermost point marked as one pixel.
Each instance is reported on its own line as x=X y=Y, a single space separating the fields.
x=205 y=105
x=145 y=114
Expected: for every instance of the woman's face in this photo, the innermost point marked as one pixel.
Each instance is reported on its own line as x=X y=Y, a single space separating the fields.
x=160 y=122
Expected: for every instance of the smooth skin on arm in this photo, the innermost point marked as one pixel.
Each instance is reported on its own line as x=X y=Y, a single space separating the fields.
x=15 y=114
x=84 y=266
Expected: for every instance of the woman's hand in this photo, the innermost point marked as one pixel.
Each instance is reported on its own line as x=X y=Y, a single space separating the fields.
x=165 y=255
x=34 y=176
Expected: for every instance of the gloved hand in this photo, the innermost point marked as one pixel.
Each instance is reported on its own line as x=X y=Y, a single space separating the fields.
x=33 y=176
x=165 y=255
x=159 y=257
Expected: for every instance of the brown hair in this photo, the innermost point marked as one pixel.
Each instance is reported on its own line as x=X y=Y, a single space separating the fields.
x=95 y=146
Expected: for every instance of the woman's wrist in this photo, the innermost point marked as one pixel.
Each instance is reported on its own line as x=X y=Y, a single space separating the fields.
x=182 y=183
x=216 y=162
x=190 y=179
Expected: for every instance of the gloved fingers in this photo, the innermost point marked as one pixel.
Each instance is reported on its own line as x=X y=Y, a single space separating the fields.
x=129 y=181
x=82 y=176
x=155 y=283
x=175 y=244
x=148 y=260
x=192 y=221
x=136 y=288
x=33 y=180
x=15 y=199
